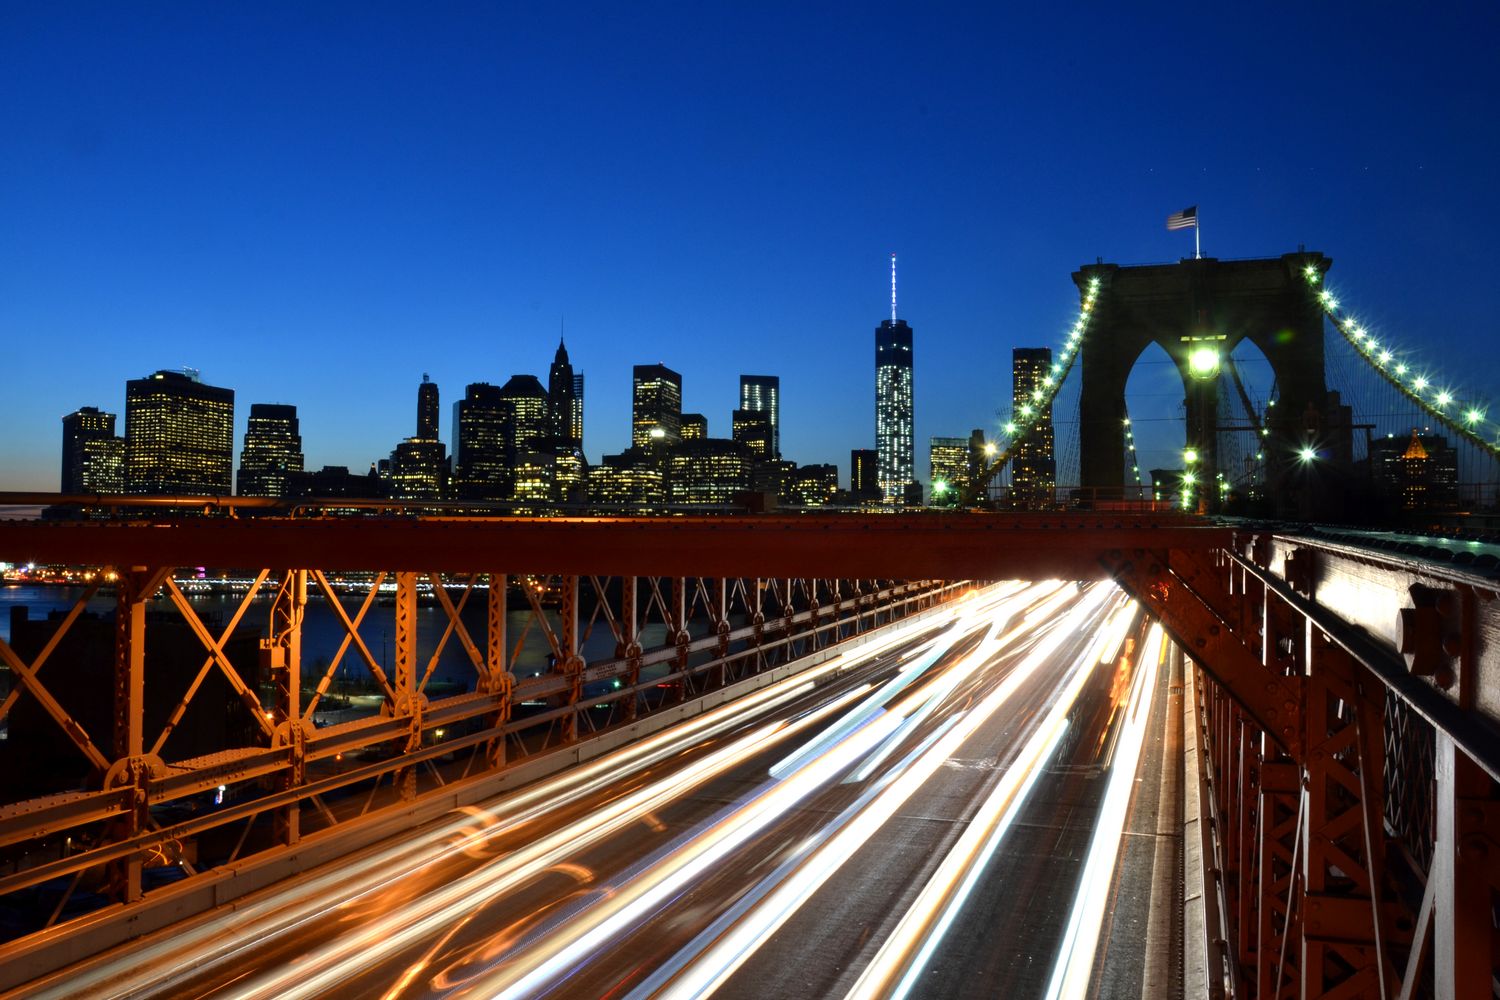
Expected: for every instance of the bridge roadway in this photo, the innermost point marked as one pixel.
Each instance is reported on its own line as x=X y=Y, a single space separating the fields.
x=816 y=838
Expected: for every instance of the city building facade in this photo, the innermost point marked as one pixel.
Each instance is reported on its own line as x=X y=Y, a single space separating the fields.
x=894 y=427
x=93 y=458
x=179 y=435
x=762 y=394
x=1033 y=466
x=272 y=450
x=656 y=405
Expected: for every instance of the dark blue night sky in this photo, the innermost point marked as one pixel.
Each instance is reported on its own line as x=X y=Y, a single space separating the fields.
x=315 y=204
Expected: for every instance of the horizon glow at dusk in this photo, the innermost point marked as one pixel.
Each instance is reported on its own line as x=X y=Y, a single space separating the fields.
x=316 y=206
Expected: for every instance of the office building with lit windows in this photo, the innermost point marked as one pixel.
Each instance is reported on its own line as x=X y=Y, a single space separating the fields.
x=418 y=467
x=948 y=460
x=707 y=471
x=752 y=428
x=272 y=450
x=93 y=458
x=481 y=433
x=894 y=430
x=694 y=427
x=575 y=427
x=762 y=394
x=1033 y=468
x=179 y=435
x=530 y=419
x=815 y=485
x=656 y=405
x=631 y=481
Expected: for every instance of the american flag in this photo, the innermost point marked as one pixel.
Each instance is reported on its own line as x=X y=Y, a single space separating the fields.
x=1185 y=219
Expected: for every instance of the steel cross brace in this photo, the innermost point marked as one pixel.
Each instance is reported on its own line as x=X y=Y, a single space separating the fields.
x=1188 y=596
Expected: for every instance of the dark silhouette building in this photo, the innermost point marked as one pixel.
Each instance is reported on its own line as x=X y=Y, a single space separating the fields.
x=93 y=458
x=427 y=409
x=1415 y=475
x=272 y=451
x=694 y=427
x=752 y=428
x=179 y=435
x=563 y=411
x=863 y=482
x=481 y=444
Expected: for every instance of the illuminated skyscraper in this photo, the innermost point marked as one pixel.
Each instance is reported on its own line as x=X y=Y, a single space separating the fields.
x=93 y=459
x=530 y=421
x=561 y=400
x=179 y=435
x=656 y=410
x=576 y=425
x=693 y=427
x=272 y=451
x=762 y=394
x=893 y=404
x=1033 y=469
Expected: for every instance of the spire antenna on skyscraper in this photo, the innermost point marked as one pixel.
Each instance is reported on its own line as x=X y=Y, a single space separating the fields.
x=893 y=286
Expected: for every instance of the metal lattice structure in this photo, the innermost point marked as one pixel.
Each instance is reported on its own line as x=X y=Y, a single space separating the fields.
x=1344 y=699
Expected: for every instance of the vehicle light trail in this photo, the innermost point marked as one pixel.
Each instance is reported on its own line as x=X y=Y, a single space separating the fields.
x=897 y=966
x=706 y=974
x=1075 y=959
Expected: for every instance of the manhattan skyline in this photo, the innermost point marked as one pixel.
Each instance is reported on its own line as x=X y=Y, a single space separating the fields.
x=316 y=209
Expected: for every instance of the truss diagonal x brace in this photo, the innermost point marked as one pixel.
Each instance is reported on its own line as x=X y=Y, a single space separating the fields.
x=1181 y=593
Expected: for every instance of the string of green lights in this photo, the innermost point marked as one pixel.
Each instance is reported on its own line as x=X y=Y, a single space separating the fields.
x=1014 y=431
x=1419 y=387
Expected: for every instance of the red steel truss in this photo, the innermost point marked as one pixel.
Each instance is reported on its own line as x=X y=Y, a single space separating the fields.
x=1353 y=772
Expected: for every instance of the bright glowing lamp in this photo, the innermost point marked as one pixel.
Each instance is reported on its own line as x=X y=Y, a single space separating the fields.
x=1204 y=362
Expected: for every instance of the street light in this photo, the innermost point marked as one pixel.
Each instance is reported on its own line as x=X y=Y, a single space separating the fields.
x=1308 y=454
x=1190 y=455
x=1203 y=362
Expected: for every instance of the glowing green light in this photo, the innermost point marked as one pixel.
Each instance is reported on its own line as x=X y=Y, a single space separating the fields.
x=1026 y=409
x=1419 y=383
x=1401 y=370
x=1188 y=479
x=1473 y=416
x=1307 y=454
x=1037 y=395
x=1264 y=431
x=1444 y=398
x=1204 y=362
x=1190 y=455
x=1385 y=357
x=1010 y=428
x=938 y=486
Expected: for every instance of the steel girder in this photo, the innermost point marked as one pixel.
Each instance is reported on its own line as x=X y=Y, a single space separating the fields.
x=1345 y=873
x=713 y=631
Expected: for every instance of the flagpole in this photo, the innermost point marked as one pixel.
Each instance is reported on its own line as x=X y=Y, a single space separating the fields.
x=1197 y=247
